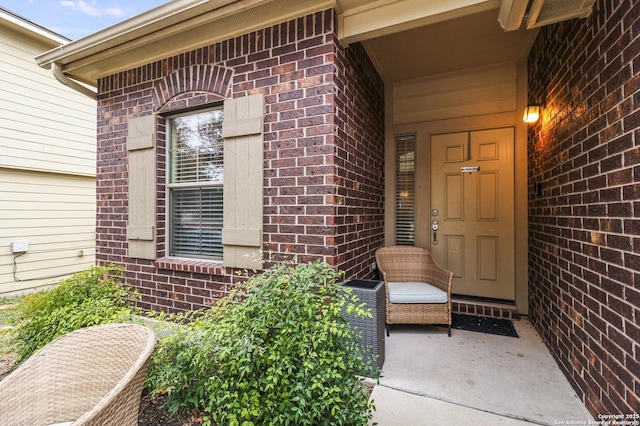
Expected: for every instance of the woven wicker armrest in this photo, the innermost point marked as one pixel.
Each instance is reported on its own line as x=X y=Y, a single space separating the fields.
x=92 y=376
x=438 y=276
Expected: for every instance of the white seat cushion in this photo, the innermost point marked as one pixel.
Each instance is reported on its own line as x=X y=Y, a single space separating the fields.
x=408 y=292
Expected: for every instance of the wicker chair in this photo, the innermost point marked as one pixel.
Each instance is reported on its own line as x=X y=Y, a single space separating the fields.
x=408 y=270
x=91 y=376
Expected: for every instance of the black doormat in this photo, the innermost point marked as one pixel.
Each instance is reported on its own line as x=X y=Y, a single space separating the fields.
x=499 y=326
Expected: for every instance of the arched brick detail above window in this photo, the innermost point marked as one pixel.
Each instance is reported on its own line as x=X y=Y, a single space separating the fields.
x=194 y=85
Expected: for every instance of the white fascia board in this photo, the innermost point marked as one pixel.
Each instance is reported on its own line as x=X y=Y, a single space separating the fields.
x=512 y=14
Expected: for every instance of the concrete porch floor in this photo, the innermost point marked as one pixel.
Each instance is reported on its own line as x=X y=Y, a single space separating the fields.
x=472 y=378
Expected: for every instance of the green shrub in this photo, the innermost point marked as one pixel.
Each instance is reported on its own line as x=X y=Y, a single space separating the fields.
x=6 y=316
x=86 y=298
x=276 y=351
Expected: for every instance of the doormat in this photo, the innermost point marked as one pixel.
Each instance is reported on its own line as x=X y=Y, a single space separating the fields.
x=498 y=326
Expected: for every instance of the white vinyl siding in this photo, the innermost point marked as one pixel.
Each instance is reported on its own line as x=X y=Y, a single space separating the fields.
x=56 y=214
x=47 y=165
x=45 y=125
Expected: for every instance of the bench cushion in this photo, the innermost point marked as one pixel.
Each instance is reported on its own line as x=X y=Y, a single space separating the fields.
x=411 y=292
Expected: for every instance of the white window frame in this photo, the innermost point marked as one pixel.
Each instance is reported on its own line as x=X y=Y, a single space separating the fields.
x=172 y=187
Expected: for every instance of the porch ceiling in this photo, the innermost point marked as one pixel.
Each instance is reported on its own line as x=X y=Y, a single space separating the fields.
x=468 y=41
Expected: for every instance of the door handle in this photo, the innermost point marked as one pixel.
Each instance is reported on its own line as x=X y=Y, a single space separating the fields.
x=435 y=226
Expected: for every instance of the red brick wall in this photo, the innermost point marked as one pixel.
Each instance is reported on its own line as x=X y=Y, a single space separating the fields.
x=584 y=235
x=359 y=162
x=323 y=152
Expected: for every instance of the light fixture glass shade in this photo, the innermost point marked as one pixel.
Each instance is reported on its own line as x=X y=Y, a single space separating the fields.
x=531 y=114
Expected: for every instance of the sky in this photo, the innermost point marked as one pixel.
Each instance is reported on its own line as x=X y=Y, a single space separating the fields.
x=76 y=19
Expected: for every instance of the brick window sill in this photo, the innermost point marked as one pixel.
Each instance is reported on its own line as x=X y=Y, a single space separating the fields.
x=198 y=266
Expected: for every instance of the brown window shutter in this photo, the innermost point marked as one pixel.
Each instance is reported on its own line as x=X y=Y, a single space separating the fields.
x=141 y=228
x=243 y=180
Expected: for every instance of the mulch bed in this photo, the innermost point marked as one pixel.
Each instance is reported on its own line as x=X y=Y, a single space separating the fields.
x=152 y=414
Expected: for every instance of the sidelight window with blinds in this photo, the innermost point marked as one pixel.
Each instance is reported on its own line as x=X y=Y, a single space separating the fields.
x=405 y=190
x=195 y=184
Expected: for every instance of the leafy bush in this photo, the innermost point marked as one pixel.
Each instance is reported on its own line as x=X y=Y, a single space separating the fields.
x=87 y=298
x=276 y=351
x=6 y=316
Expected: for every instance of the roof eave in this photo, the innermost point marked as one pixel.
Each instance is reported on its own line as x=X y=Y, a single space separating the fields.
x=31 y=27
x=144 y=25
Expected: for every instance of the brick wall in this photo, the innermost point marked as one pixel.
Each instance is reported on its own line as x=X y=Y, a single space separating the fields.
x=320 y=162
x=359 y=162
x=584 y=235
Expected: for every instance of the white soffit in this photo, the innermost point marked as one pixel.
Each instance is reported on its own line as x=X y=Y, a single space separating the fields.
x=545 y=12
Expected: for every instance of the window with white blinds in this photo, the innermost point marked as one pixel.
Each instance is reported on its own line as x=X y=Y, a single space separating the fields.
x=196 y=176
x=405 y=194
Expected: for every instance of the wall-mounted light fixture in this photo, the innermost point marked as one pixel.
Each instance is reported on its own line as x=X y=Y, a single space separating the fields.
x=531 y=114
